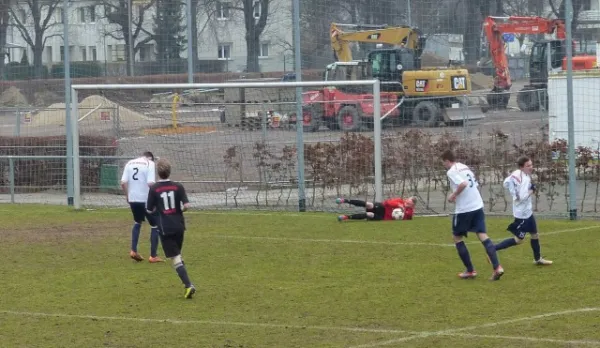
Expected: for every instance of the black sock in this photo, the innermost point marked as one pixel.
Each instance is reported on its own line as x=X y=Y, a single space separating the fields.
x=357 y=202
x=535 y=246
x=182 y=273
x=359 y=216
x=464 y=255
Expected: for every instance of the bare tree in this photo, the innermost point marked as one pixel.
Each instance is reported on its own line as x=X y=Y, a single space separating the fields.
x=116 y=13
x=559 y=9
x=33 y=28
x=254 y=28
x=4 y=22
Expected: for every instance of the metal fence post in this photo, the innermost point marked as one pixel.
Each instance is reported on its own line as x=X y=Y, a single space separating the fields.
x=11 y=178
x=18 y=123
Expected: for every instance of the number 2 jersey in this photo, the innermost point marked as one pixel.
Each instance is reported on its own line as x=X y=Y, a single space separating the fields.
x=138 y=174
x=165 y=199
x=470 y=198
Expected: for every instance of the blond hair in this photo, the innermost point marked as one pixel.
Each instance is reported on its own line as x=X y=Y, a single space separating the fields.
x=163 y=167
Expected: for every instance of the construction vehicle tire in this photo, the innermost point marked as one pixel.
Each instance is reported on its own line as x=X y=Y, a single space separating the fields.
x=498 y=101
x=528 y=100
x=314 y=119
x=426 y=114
x=349 y=119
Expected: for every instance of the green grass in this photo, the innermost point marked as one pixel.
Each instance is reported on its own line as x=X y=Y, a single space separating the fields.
x=285 y=280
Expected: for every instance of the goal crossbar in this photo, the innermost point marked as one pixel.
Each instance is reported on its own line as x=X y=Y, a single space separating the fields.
x=74 y=111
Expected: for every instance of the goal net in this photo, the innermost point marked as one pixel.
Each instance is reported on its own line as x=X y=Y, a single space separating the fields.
x=233 y=145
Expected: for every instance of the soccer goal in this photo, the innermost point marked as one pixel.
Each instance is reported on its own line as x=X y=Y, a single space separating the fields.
x=233 y=145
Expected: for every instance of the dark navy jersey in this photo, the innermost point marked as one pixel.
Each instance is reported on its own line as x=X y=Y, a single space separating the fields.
x=165 y=200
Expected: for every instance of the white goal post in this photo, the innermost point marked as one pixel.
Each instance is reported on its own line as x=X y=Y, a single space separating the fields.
x=375 y=84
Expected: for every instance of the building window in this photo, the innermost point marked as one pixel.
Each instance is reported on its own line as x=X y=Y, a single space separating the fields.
x=223 y=10
x=62 y=53
x=257 y=9
x=93 y=53
x=83 y=52
x=92 y=10
x=264 y=50
x=59 y=15
x=224 y=51
x=49 y=58
x=81 y=12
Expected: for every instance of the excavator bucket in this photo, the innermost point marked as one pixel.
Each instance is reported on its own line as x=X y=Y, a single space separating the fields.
x=472 y=108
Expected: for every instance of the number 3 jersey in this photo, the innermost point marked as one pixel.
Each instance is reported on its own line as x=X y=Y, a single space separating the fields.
x=470 y=198
x=165 y=199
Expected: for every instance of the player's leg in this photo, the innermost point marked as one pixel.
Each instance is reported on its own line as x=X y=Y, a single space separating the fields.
x=459 y=231
x=172 y=248
x=519 y=235
x=478 y=226
x=154 y=238
x=138 y=210
x=535 y=243
x=355 y=202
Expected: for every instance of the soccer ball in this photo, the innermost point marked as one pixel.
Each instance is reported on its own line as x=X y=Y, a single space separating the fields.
x=398 y=214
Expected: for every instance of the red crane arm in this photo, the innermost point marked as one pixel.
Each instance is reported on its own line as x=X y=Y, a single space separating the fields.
x=494 y=27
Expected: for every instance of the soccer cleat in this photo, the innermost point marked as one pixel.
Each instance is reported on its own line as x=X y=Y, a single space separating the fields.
x=467 y=275
x=542 y=262
x=339 y=200
x=342 y=218
x=498 y=272
x=155 y=259
x=189 y=292
x=134 y=255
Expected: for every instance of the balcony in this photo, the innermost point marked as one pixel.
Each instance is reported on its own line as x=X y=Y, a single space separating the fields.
x=589 y=19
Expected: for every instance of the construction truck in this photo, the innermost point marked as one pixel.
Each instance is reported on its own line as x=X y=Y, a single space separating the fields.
x=424 y=96
x=545 y=56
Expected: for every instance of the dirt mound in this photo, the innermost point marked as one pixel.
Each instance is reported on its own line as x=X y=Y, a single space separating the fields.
x=44 y=98
x=432 y=60
x=94 y=111
x=480 y=81
x=13 y=97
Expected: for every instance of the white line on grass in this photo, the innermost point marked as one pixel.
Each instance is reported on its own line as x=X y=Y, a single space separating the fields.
x=451 y=332
x=310 y=240
x=351 y=241
x=207 y=322
x=531 y=339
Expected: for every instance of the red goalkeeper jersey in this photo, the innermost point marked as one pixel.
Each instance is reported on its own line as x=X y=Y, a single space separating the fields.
x=393 y=203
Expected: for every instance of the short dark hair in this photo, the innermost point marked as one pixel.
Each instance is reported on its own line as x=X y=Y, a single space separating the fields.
x=149 y=155
x=448 y=155
x=163 y=167
x=522 y=160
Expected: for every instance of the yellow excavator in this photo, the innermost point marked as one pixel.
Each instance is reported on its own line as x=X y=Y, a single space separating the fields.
x=427 y=96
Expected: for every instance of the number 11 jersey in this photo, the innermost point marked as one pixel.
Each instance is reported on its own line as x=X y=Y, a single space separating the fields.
x=470 y=198
x=165 y=199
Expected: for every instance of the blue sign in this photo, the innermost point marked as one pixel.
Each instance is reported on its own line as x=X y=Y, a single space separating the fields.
x=508 y=37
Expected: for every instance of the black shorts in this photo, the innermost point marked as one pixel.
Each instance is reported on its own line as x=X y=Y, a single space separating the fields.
x=378 y=211
x=520 y=227
x=138 y=209
x=472 y=221
x=172 y=243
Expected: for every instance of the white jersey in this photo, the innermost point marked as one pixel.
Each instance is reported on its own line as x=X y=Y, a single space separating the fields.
x=518 y=184
x=139 y=174
x=470 y=198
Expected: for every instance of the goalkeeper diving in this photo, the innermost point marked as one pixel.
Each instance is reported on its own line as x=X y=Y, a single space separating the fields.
x=390 y=209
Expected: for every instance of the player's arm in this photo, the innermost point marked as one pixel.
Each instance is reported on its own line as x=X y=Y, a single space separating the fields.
x=458 y=180
x=151 y=202
x=151 y=177
x=184 y=198
x=124 y=181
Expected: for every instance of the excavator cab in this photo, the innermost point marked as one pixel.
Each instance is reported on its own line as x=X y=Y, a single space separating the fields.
x=538 y=60
x=388 y=64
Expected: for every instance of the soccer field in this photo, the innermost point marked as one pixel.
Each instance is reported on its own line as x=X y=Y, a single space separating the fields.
x=290 y=280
